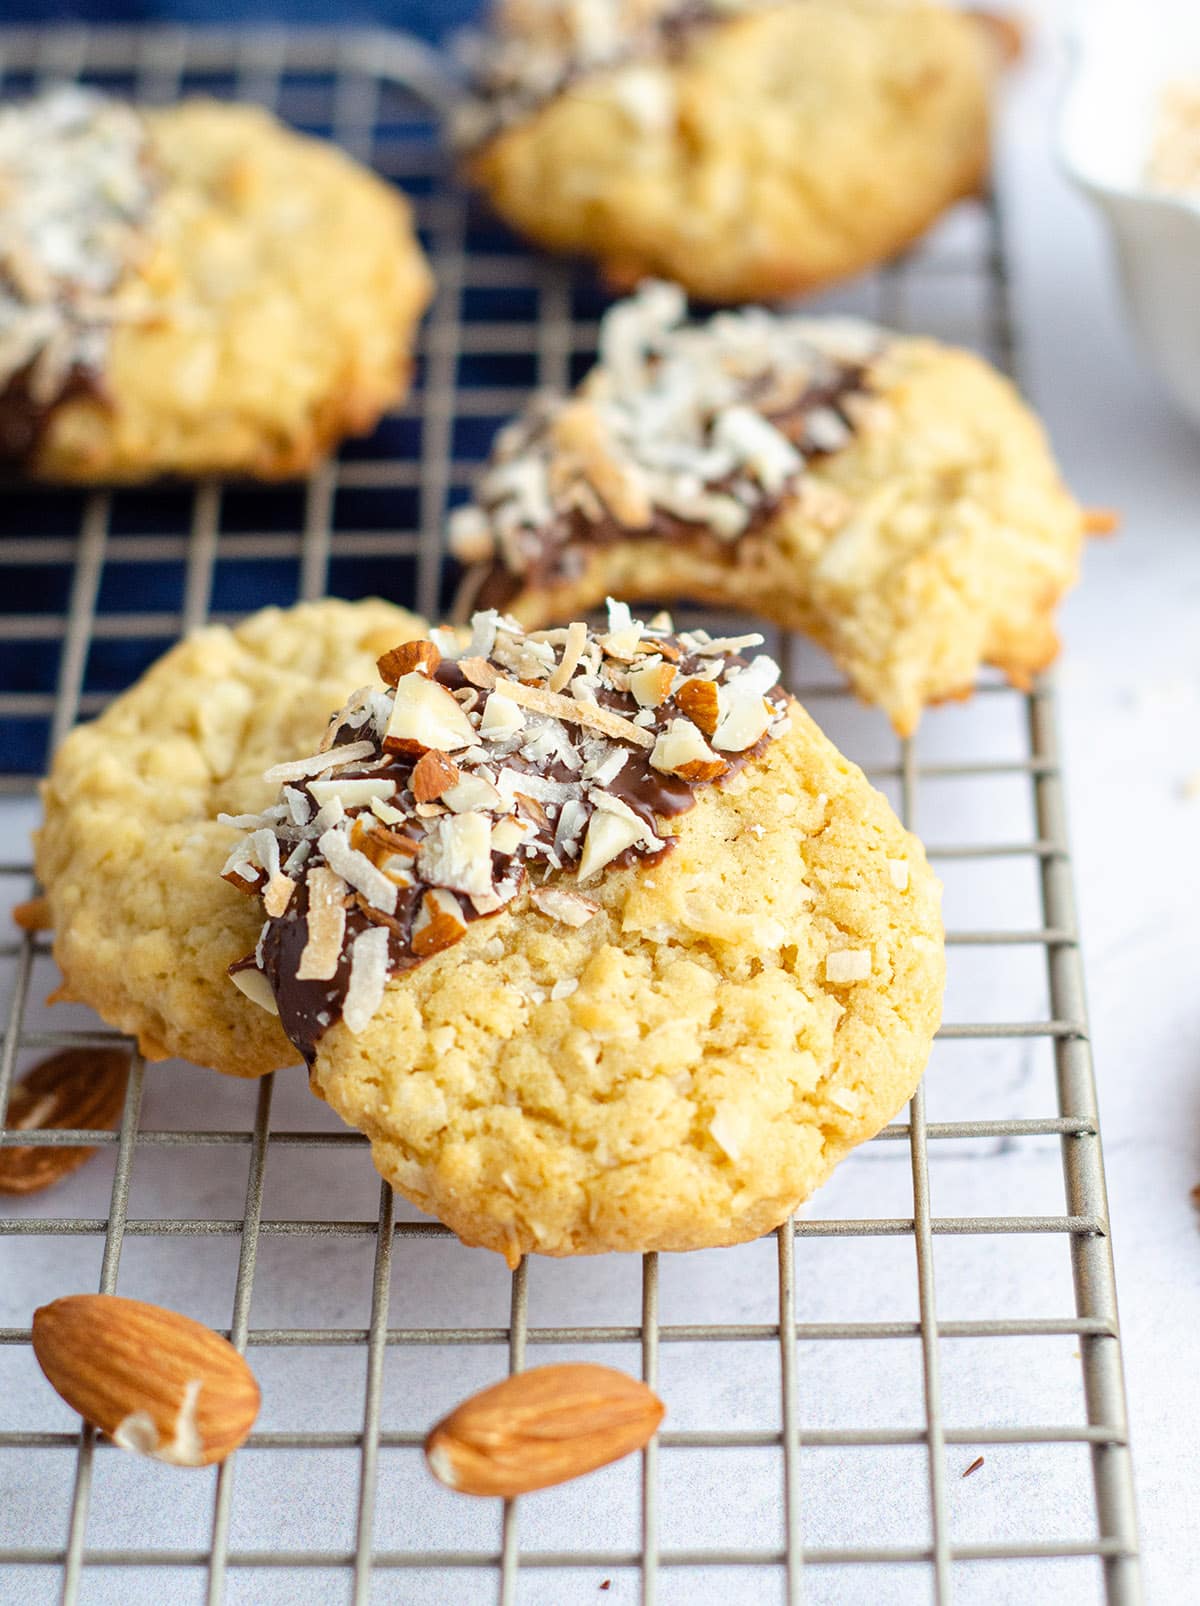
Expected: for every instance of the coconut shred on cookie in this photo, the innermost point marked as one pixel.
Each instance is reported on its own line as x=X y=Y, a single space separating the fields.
x=483 y=768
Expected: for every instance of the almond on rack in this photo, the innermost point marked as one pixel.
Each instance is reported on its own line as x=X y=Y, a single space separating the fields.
x=152 y=1380
x=542 y=1427
x=81 y=1088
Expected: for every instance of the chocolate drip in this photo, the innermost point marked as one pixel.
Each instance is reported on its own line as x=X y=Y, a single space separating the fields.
x=307 y=1008
x=24 y=421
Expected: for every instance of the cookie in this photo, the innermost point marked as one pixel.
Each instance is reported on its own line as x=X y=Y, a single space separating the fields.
x=192 y=290
x=892 y=498
x=596 y=936
x=130 y=853
x=749 y=149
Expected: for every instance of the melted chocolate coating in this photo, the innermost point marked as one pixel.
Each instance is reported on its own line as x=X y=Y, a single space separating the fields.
x=559 y=549
x=308 y=1008
x=23 y=421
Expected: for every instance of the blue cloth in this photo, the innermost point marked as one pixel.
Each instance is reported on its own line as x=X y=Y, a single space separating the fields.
x=432 y=19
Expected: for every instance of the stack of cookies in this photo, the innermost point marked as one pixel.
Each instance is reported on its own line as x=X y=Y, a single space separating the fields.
x=587 y=926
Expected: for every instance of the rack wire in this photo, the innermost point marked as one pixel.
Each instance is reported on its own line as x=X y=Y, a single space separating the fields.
x=91 y=588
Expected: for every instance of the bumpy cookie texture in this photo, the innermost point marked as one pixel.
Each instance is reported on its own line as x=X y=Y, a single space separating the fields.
x=749 y=150
x=892 y=498
x=664 y=1044
x=130 y=853
x=192 y=290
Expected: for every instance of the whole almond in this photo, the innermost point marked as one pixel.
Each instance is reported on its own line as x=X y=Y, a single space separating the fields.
x=80 y=1088
x=542 y=1427
x=152 y=1380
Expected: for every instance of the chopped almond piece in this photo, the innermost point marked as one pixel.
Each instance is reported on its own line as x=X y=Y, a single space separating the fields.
x=239 y=881
x=479 y=672
x=698 y=699
x=425 y=715
x=681 y=750
x=1101 y=521
x=433 y=774
x=439 y=924
x=652 y=685
x=34 y=913
x=408 y=658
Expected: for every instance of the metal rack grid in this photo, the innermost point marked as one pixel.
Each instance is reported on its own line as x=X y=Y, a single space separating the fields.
x=114 y=577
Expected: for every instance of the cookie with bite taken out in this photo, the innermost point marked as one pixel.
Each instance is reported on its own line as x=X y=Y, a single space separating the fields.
x=891 y=497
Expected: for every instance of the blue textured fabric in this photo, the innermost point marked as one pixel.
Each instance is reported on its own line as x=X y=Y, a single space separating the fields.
x=430 y=18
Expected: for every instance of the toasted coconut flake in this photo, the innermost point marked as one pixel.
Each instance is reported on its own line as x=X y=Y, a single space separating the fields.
x=577 y=713
x=326 y=926
x=299 y=769
x=571 y=654
x=277 y=894
x=357 y=870
x=479 y=672
x=352 y=794
x=368 y=977
x=561 y=904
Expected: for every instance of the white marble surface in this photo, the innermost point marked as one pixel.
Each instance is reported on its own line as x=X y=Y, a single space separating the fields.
x=1131 y=688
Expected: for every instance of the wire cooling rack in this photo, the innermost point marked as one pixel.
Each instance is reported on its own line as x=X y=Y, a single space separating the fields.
x=913 y=1391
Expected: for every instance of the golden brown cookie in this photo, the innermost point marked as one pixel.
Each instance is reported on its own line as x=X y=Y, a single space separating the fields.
x=596 y=936
x=192 y=290
x=890 y=497
x=130 y=853
x=748 y=149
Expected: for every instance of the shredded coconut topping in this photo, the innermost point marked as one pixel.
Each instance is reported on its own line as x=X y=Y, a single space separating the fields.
x=76 y=186
x=356 y=888
x=538 y=48
x=680 y=428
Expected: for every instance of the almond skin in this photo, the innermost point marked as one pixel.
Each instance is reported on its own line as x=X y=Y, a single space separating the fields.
x=152 y=1380
x=542 y=1427
x=82 y=1088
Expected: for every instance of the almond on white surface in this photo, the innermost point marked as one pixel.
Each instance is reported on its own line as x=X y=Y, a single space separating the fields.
x=542 y=1427
x=154 y=1381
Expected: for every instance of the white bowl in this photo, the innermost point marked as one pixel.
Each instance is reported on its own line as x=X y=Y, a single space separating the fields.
x=1123 y=54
